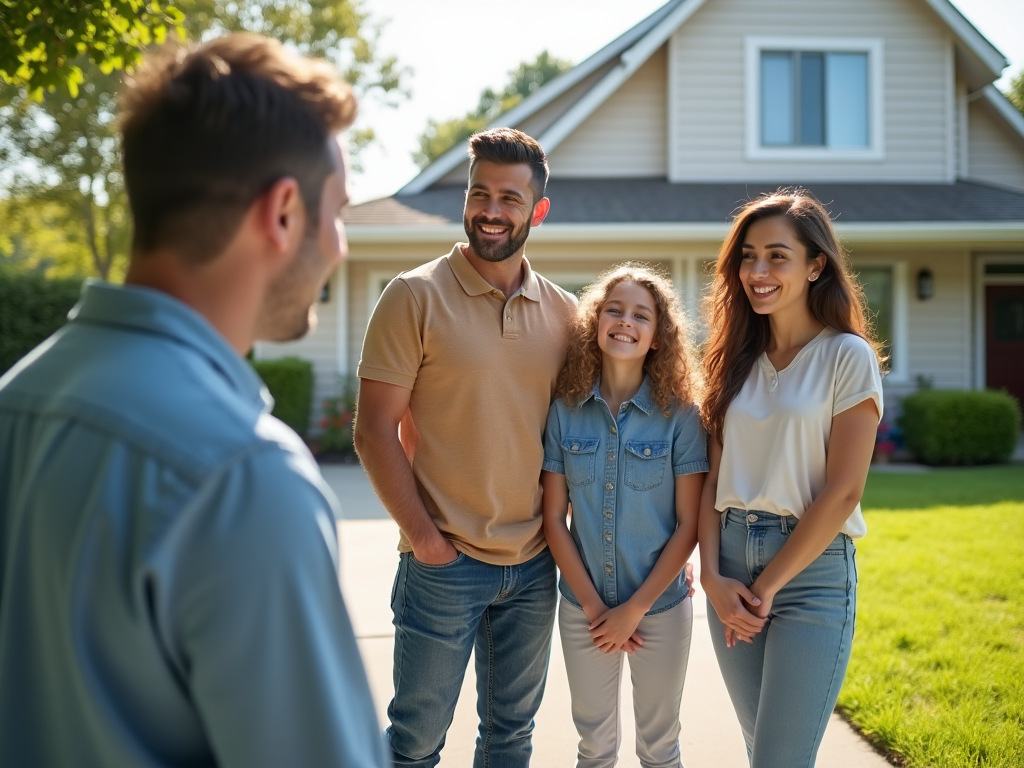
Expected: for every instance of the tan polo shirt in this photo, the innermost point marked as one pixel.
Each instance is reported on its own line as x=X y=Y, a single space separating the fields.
x=482 y=370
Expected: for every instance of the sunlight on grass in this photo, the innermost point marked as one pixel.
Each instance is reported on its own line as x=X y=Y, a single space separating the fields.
x=937 y=674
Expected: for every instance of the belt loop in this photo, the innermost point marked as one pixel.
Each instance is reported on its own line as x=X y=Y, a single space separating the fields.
x=725 y=517
x=784 y=524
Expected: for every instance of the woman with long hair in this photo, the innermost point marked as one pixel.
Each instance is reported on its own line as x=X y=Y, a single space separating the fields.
x=794 y=397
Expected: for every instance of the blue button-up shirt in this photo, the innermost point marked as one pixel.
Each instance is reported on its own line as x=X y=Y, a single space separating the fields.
x=168 y=559
x=620 y=473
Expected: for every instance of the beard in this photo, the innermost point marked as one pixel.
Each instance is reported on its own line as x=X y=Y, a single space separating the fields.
x=499 y=251
x=289 y=310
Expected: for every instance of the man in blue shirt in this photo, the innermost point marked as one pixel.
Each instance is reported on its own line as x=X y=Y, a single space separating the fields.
x=168 y=561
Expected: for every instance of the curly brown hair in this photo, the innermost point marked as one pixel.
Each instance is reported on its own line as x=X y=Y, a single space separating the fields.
x=737 y=335
x=672 y=366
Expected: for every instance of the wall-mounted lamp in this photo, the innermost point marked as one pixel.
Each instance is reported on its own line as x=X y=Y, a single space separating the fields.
x=325 y=293
x=925 y=284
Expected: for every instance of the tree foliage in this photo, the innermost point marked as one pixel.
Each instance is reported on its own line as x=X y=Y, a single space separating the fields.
x=62 y=155
x=1016 y=92
x=523 y=81
x=41 y=41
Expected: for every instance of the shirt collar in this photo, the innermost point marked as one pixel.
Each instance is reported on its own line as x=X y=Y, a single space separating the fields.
x=145 y=310
x=474 y=285
x=642 y=398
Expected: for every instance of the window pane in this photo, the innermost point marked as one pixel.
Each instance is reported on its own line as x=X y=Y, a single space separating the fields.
x=812 y=99
x=776 y=99
x=877 y=282
x=846 y=79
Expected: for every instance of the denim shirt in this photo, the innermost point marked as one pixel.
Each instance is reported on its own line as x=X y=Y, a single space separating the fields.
x=623 y=497
x=168 y=557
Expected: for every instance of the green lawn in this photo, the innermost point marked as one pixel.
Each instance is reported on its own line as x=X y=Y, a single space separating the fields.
x=937 y=674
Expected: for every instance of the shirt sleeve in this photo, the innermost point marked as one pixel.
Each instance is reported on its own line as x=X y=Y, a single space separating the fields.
x=689 y=444
x=857 y=376
x=553 y=459
x=260 y=626
x=393 y=346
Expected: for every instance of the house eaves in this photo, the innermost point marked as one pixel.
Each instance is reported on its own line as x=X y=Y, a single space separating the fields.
x=970 y=38
x=854 y=233
x=1005 y=109
x=619 y=48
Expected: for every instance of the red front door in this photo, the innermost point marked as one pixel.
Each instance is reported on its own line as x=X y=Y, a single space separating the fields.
x=1004 y=339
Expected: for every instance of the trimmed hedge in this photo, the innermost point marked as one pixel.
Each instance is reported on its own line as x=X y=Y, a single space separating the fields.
x=31 y=309
x=290 y=381
x=953 y=427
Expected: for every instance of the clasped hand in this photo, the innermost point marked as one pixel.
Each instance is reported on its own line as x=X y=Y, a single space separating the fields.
x=743 y=613
x=615 y=629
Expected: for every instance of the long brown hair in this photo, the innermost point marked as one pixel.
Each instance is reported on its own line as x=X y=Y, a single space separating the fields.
x=736 y=334
x=672 y=367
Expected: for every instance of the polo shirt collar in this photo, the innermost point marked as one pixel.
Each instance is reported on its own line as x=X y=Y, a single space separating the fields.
x=148 y=311
x=642 y=398
x=474 y=285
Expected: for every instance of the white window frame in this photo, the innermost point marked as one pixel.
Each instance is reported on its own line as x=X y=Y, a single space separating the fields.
x=899 y=364
x=874 y=47
x=373 y=291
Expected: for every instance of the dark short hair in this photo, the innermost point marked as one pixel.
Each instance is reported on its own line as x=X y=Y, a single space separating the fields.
x=508 y=146
x=205 y=131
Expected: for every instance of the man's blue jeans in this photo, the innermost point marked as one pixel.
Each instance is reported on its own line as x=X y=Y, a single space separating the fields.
x=785 y=684
x=442 y=613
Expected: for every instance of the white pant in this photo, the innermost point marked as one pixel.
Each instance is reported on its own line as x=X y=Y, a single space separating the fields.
x=657 y=671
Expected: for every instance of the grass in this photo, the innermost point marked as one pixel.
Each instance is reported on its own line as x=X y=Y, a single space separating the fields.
x=937 y=674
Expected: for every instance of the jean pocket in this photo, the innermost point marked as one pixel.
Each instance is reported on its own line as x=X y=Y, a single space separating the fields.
x=440 y=567
x=580 y=457
x=645 y=463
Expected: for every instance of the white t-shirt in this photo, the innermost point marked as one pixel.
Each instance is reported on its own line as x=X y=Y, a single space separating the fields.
x=776 y=434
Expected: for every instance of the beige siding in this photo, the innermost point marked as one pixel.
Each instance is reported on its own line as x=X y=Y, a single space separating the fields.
x=626 y=136
x=707 y=57
x=995 y=154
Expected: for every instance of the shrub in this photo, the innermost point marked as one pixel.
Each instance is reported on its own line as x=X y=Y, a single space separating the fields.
x=337 y=420
x=950 y=427
x=290 y=381
x=31 y=309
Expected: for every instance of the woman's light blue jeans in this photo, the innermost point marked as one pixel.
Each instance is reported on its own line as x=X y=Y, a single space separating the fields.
x=785 y=685
x=442 y=613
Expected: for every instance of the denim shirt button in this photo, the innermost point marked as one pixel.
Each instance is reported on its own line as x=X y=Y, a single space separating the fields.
x=609 y=486
x=607 y=536
x=647 y=451
x=607 y=569
x=575 y=446
x=611 y=457
x=608 y=514
x=614 y=430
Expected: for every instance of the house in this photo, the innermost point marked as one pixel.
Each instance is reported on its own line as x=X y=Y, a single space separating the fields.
x=884 y=109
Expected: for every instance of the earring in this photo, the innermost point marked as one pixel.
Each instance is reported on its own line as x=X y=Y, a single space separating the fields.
x=813 y=277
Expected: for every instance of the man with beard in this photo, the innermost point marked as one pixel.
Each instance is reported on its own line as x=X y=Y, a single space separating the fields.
x=168 y=560
x=457 y=372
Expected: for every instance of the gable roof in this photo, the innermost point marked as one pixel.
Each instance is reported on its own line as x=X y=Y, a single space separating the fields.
x=631 y=50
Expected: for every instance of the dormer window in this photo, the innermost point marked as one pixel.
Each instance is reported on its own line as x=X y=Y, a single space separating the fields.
x=814 y=99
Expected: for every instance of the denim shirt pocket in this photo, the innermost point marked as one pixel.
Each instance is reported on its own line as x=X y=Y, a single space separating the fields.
x=645 y=463
x=580 y=456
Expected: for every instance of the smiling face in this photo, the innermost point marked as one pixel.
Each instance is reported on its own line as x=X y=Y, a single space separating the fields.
x=775 y=268
x=627 y=322
x=499 y=209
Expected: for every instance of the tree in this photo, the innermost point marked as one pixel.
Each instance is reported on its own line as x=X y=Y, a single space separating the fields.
x=62 y=153
x=1016 y=92
x=41 y=39
x=442 y=135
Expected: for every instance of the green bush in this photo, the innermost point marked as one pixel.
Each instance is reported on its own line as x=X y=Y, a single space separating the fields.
x=31 y=309
x=290 y=381
x=952 y=427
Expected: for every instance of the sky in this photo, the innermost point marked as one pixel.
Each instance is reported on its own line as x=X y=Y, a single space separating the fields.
x=457 y=48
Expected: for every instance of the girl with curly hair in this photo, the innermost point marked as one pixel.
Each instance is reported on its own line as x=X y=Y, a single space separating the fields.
x=624 y=445
x=794 y=399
